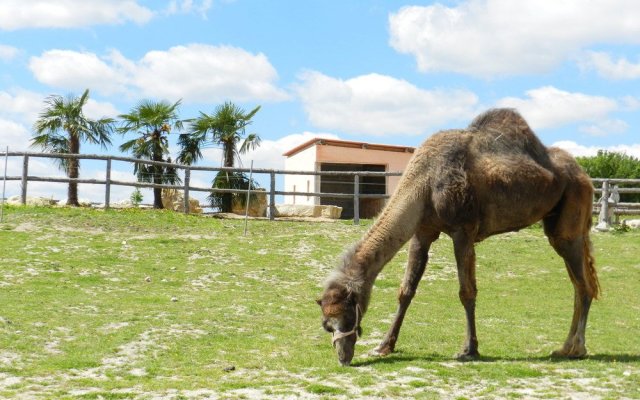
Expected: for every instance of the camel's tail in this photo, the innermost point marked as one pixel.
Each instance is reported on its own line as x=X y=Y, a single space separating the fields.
x=590 y=274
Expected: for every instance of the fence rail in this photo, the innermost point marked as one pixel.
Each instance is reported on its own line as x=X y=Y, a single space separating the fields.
x=604 y=191
x=25 y=178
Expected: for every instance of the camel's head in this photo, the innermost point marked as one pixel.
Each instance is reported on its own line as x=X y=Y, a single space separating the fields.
x=341 y=316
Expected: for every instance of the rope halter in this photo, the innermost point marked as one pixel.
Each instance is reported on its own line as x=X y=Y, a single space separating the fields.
x=337 y=335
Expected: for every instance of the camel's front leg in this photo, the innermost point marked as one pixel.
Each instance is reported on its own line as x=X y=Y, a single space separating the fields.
x=418 y=257
x=466 y=262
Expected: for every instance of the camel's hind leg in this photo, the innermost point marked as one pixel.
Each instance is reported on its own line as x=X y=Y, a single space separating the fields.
x=418 y=257
x=568 y=233
x=463 y=246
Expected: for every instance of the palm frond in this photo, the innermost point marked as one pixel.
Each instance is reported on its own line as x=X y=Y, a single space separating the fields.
x=62 y=121
x=251 y=142
x=190 y=147
x=226 y=127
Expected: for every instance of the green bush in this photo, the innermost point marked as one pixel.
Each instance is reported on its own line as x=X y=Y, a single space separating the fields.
x=230 y=180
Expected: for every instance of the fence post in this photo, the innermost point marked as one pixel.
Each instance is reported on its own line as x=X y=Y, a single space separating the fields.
x=272 y=196
x=187 y=179
x=605 y=202
x=107 y=190
x=248 y=199
x=356 y=199
x=25 y=170
x=4 y=185
x=603 y=217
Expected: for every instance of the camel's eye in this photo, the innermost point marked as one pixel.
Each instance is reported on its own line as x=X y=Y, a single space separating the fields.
x=327 y=327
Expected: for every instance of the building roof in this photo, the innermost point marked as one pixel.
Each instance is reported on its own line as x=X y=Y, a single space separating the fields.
x=346 y=143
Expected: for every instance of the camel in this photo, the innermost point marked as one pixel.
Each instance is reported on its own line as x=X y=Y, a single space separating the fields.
x=495 y=176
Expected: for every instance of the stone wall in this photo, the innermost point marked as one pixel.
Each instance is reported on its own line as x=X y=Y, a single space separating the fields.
x=307 y=211
x=173 y=199
x=257 y=206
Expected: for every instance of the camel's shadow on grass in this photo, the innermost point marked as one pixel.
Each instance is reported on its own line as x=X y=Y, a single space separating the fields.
x=402 y=357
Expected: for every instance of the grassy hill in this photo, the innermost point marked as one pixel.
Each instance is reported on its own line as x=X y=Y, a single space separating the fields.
x=148 y=304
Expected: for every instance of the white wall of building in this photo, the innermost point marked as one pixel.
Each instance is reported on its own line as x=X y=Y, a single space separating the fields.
x=302 y=161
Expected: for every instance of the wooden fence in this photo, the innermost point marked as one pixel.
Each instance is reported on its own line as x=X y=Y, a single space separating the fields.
x=608 y=195
x=603 y=192
x=186 y=186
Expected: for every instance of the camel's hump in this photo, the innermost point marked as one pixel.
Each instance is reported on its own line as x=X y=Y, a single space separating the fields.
x=501 y=119
x=505 y=130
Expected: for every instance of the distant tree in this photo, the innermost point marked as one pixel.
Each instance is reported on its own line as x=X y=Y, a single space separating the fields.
x=62 y=127
x=225 y=127
x=152 y=122
x=609 y=164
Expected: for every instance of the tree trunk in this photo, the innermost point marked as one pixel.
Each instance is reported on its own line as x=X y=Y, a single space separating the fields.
x=227 y=198
x=73 y=171
x=229 y=153
x=157 y=198
x=157 y=171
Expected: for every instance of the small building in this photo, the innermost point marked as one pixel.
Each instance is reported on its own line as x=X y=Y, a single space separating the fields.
x=339 y=155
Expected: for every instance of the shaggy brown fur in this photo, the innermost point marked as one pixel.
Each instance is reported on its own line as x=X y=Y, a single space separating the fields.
x=493 y=177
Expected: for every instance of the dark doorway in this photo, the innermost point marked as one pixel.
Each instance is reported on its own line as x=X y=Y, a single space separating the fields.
x=369 y=208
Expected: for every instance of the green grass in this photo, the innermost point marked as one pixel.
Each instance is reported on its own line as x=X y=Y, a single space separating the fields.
x=146 y=304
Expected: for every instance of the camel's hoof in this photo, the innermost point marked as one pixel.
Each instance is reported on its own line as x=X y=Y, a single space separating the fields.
x=466 y=356
x=383 y=350
x=570 y=354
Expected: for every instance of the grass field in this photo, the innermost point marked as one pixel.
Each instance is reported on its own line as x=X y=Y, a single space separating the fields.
x=159 y=305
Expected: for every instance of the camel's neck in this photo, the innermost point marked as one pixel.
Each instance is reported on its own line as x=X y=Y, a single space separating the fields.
x=393 y=228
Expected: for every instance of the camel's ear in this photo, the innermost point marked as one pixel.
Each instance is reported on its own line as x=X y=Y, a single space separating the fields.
x=319 y=302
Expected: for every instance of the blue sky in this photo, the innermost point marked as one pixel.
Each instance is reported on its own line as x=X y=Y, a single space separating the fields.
x=376 y=71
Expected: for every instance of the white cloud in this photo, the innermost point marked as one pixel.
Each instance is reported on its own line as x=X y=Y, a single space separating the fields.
x=189 y=6
x=630 y=103
x=21 y=105
x=195 y=73
x=8 y=53
x=97 y=109
x=14 y=135
x=494 y=37
x=380 y=105
x=605 y=127
x=18 y=14
x=578 y=150
x=548 y=106
x=200 y=72
x=74 y=70
x=609 y=68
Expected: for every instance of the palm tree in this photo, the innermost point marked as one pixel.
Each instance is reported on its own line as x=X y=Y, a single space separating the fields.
x=225 y=127
x=62 y=127
x=152 y=122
